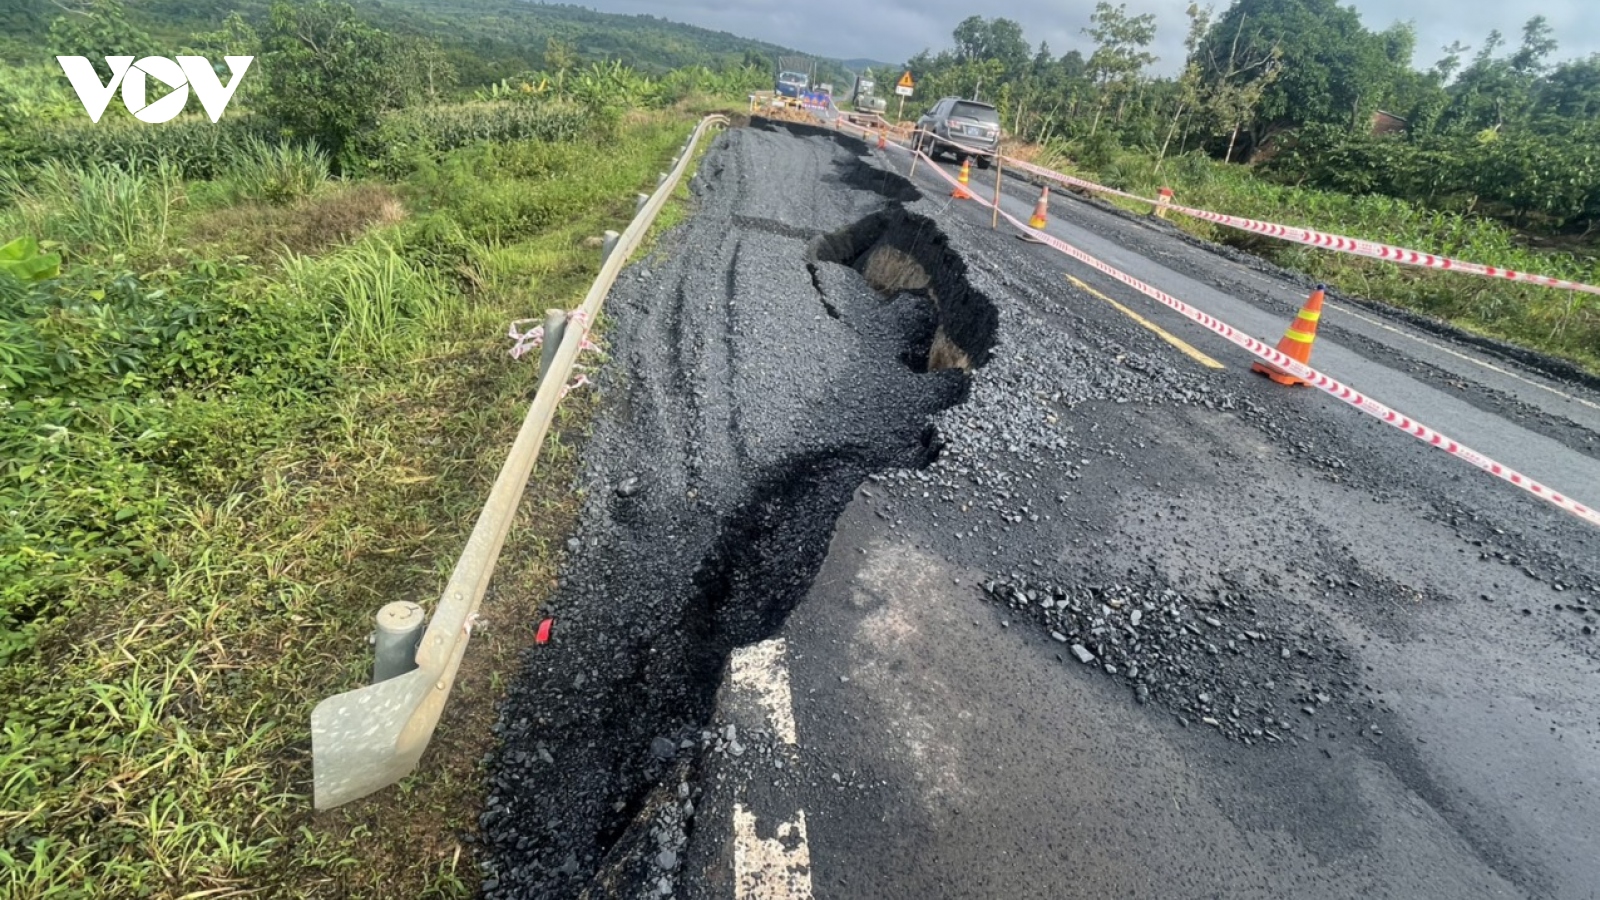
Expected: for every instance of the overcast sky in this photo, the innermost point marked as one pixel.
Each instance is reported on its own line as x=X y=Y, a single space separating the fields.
x=895 y=30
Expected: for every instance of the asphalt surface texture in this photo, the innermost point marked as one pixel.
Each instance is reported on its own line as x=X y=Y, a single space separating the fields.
x=909 y=568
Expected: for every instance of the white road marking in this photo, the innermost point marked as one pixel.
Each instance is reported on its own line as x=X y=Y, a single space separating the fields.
x=760 y=670
x=775 y=869
x=1471 y=359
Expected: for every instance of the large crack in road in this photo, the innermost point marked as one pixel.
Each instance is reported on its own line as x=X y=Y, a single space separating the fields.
x=1288 y=644
x=763 y=371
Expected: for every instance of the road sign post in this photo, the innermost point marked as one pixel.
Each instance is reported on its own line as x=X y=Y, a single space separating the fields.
x=904 y=88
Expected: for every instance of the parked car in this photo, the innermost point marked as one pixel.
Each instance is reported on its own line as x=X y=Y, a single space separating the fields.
x=961 y=128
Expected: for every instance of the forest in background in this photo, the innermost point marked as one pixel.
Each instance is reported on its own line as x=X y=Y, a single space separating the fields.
x=1507 y=129
x=1295 y=111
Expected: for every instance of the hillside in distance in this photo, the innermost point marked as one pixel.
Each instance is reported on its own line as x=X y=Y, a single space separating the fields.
x=650 y=43
x=486 y=39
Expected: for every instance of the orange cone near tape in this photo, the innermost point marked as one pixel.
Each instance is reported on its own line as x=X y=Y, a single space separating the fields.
x=1041 y=210
x=961 y=192
x=1296 y=343
x=883 y=140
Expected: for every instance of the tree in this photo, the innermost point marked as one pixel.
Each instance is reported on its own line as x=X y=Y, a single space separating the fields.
x=1191 y=81
x=97 y=29
x=1494 y=93
x=1119 y=55
x=1537 y=45
x=331 y=74
x=559 y=56
x=431 y=74
x=1449 y=64
x=1238 y=84
x=978 y=39
x=1332 y=70
x=1572 y=91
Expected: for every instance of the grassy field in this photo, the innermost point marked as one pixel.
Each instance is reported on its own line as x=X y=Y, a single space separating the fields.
x=1561 y=323
x=254 y=407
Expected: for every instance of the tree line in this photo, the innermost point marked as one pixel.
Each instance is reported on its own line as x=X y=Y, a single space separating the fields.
x=1307 y=89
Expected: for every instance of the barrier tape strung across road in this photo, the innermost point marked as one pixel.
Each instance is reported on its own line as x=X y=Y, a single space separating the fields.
x=1328 y=385
x=1312 y=238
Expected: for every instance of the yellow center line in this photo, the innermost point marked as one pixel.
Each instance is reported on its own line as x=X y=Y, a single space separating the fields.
x=1160 y=332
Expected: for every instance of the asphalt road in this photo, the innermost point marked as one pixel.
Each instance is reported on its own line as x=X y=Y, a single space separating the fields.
x=1091 y=619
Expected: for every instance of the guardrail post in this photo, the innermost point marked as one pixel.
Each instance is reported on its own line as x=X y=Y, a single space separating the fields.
x=395 y=639
x=639 y=200
x=555 y=326
x=661 y=178
x=608 y=246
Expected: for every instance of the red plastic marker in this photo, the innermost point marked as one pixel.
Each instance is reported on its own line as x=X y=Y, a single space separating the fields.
x=544 y=631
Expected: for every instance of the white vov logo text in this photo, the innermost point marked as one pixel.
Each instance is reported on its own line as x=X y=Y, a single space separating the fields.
x=181 y=74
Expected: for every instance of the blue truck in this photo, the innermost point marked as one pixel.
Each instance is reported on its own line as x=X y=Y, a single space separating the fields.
x=793 y=84
x=796 y=74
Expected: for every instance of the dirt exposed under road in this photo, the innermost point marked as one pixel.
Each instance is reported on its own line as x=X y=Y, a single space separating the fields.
x=817 y=325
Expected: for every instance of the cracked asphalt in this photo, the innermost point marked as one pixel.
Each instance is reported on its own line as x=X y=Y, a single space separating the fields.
x=1056 y=611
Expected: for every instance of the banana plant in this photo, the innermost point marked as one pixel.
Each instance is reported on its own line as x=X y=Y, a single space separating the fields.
x=23 y=260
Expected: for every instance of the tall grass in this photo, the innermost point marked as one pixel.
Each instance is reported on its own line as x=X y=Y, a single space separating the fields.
x=375 y=301
x=276 y=172
x=198 y=147
x=98 y=209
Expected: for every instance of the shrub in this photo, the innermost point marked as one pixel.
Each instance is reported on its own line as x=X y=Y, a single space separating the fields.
x=89 y=365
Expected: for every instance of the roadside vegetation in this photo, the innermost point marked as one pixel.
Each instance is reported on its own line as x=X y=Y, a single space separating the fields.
x=1293 y=111
x=253 y=385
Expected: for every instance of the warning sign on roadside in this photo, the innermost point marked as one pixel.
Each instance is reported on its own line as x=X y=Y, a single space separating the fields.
x=905 y=86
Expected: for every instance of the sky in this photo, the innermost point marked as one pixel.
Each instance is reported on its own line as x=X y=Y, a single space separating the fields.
x=895 y=30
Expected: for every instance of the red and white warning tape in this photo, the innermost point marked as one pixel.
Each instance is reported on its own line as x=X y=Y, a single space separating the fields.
x=1328 y=385
x=1311 y=238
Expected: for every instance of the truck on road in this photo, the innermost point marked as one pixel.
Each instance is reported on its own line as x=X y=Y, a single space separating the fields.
x=795 y=74
x=865 y=98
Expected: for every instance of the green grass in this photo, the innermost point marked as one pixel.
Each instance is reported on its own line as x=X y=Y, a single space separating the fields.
x=1561 y=323
x=215 y=469
x=268 y=172
x=99 y=209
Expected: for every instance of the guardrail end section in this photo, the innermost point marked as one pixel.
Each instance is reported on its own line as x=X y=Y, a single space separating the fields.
x=355 y=739
x=360 y=742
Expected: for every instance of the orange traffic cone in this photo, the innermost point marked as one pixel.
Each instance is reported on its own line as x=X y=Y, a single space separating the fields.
x=1041 y=210
x=965 y=178
x=1296 y=343
x=883 y=140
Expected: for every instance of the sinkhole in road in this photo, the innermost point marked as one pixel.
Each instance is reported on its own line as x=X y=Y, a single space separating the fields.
x=899 y=253
x=601 y=731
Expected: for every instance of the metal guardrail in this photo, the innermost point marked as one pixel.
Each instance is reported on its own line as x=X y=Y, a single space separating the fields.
x=366 y=739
